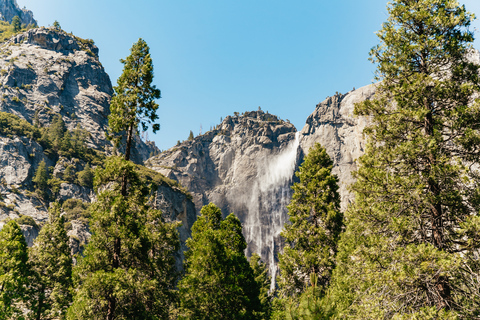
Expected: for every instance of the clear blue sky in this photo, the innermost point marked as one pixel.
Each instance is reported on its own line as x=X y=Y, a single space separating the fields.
x=214 y=57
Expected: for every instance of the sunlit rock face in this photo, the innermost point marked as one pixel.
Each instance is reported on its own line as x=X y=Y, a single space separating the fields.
x=10 y=9
x=334 y=126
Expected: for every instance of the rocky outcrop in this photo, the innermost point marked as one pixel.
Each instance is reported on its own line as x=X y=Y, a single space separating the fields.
x=10 y=9
x=334 y=126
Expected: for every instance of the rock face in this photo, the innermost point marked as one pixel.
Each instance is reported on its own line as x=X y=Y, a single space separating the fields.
x=334 y=126
x=10 y=9
x=245 y=166
x=45 y=71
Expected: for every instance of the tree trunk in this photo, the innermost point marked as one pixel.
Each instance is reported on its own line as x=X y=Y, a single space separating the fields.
x=443 y=297
x=111 y=309
x=40 y=304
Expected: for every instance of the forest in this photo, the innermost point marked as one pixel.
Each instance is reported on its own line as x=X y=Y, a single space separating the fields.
x=407 y=247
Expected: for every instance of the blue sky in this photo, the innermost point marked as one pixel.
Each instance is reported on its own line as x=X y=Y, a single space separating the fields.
x=214 y=57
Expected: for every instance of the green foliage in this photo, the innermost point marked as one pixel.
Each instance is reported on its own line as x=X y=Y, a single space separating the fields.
x=85 y=177
x=316 y=223
x=11 y=125
x=13 y=271
x=27 y=220
x=69 y=174
x=51 y=265
x=55 y=139
x=40 y=180
x=134 y=100
x=410 y=250
x=75 y=209
x=152 y=176
x=56 y=25
x=219 y=282
x=191 y=136
x=260 y=273
x=128 y=271
x=16 y=24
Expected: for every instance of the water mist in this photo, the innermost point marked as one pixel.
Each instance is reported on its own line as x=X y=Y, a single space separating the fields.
x=266 y=205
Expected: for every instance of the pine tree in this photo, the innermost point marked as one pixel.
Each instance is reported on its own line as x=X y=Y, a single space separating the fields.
x=16 y=24
x=316 y=223
x=410 y=250
x=40 y=180
x=134 y=100
x=14 y=271
x=137 y=281
x=51 y=265
x=263 y=280
x=219 y=282
x=191 y=136
x=85 y=177
x=56 y=25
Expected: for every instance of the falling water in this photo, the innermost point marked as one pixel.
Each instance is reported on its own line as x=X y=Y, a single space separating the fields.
x=267 y=212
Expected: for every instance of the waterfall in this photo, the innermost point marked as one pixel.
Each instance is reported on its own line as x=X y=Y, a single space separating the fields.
x=269 y=197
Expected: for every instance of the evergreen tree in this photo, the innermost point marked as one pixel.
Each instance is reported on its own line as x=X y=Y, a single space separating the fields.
x=85 y=177
x=16 y=24
x=13 y=270
x=56 y=25
x=316 y=223
x=134 y=100
x=40 y=180
x=51 y=264
x=411 y=245
x=263 y=280
x=219 y=282
x=191 y=136
x=137 y=281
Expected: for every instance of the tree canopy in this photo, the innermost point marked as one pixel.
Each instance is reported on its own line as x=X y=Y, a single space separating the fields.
x=410 y=247
x=315 y=225
x=133 y=103
x=219 y=282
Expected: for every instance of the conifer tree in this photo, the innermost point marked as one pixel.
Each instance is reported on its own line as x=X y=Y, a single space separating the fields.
x=14 y=270
x=40 y=180
x=16 y=24
x=137 y=281
x=263 y=280
x=316 y=223
x=133 y=103
x=51 y=264
x=411 y=245
x=219 y=282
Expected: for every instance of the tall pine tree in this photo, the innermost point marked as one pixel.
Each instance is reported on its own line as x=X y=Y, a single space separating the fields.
x=219 y=282
x=14 y=271
x=51 y=265
x=316 y=222
x=133 y=103
x=411 y=246
x=138 y=281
